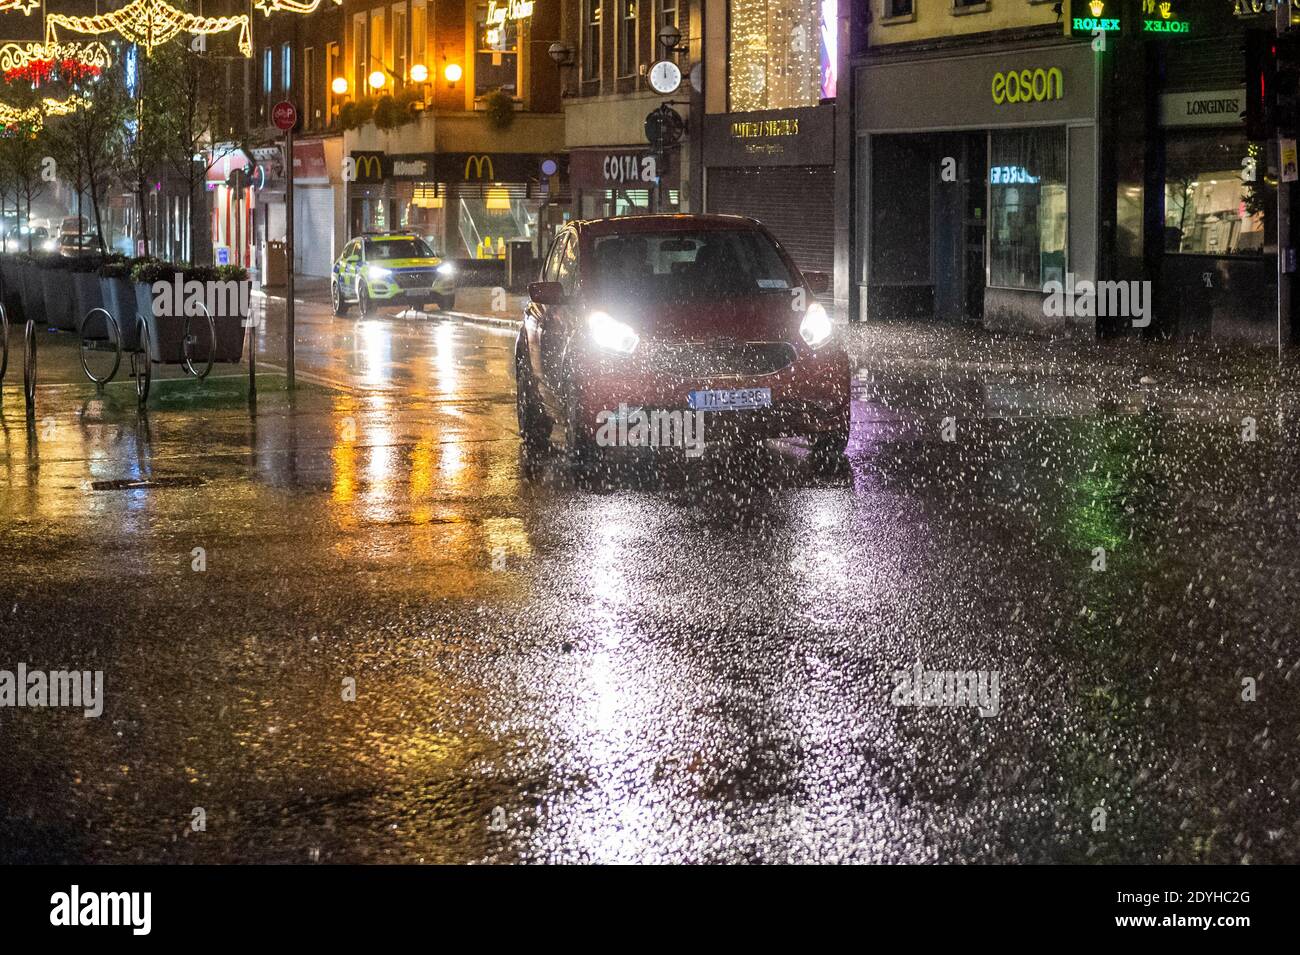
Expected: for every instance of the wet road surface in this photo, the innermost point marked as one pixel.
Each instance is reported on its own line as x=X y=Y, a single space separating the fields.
x=680 y=663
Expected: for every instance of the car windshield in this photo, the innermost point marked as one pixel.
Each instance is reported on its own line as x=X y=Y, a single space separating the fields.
x=412 y=248
x=667 y=266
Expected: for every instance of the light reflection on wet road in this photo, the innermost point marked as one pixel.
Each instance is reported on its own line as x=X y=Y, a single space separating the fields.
x=691 y=663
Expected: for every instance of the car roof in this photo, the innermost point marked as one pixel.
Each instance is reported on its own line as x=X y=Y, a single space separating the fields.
x=664 y=223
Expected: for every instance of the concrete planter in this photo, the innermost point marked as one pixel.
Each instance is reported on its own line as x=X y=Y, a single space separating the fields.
x=167 y=333
x=60 y=299
x=33 y=294
x=119 y=298
x=89 y=295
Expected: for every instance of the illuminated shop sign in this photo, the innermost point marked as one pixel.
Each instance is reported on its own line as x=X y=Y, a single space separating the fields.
x=1159 y=16
x=1027 y=86
x=1096 y=16
x=765 y=128
x=498 y=14
x=1011 y=176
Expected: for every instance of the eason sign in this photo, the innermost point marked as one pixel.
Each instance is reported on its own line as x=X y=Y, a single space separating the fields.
x=1028 y=86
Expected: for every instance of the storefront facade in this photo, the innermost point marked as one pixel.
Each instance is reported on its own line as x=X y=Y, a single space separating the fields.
x=779 y=167
x=465 y=205
x=1208 y=220
x=973 y=193
x=624 y=180
x=770 y=70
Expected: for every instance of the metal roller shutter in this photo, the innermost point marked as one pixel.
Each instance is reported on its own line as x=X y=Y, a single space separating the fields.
x=796 y=203
x=313 y=229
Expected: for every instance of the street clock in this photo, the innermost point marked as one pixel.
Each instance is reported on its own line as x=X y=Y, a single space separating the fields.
x=665 y=77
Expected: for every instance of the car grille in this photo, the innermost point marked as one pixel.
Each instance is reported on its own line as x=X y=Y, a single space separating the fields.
x=415 y=279
x=729 y=359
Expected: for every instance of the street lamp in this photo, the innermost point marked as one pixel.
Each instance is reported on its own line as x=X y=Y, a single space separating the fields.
x=339 y=86
x=669 y=37
x=377 y=80
x=561 y=53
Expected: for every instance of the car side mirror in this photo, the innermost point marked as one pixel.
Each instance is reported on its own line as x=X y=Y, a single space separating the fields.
x=818 y=282
x=546 y=293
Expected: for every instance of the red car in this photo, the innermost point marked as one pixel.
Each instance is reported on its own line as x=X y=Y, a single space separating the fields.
x=641 y=322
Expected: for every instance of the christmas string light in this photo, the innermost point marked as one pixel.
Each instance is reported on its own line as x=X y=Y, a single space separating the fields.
x=15 y=56
x=150 y=23
x=269 y=7
x=34 y=116
x=24 y=6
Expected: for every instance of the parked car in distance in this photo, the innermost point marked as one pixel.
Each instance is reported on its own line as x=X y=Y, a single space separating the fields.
x=73 y=246
x=74 y=225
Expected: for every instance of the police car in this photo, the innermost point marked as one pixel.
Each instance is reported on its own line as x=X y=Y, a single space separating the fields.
x=391 y=269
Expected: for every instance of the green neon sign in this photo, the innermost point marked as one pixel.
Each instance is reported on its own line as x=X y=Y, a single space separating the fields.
x=1160 y=17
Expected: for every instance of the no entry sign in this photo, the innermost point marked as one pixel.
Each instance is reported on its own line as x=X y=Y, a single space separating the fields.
x=285 y=116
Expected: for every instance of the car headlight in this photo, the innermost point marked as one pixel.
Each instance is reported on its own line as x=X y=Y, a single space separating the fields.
x=611 y=334
x=377 y=274
x=816 y=326
x=446 y=269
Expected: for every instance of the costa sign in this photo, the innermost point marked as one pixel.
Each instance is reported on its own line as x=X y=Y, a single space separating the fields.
x=1027 y=86
x=629 y=167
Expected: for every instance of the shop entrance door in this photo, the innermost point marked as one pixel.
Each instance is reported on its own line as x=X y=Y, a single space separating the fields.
x=958 y=215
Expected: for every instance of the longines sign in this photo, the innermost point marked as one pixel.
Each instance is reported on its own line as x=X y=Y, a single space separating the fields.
x=1203 y=108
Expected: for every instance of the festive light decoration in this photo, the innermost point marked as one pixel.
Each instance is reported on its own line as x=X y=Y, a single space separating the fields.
x=23 y=6
x=287 y=6
x=774 y=54
x=41 y=72
x=150 y=23
x=15 y=56
x=34 y=116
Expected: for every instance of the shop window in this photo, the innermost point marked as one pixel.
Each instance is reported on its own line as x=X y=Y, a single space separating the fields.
x=1027 y=208
x=399 y=44
x=377 y=38
x=496 y=57
x=419 y=33
x=1216 y=199
x=333 y=68
x=591 y=40
x=781 y=53
x=360 y=54
x=667 y=17
x=626 y=37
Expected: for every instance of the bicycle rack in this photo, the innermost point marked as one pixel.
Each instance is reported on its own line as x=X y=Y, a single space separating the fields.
x=141 y=359
x=93 y=344
x=29 y=366
x=4 y=343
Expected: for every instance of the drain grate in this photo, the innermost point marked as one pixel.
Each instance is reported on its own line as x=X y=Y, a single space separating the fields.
x=162 y=482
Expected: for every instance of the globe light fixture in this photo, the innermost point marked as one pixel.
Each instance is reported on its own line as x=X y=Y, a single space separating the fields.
x=339 y=86
x=377 y=80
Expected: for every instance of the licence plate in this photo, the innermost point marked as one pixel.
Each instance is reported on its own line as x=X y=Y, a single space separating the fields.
x=738 y=399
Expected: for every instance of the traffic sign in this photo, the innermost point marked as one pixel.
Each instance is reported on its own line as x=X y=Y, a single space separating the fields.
x=285 y=116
